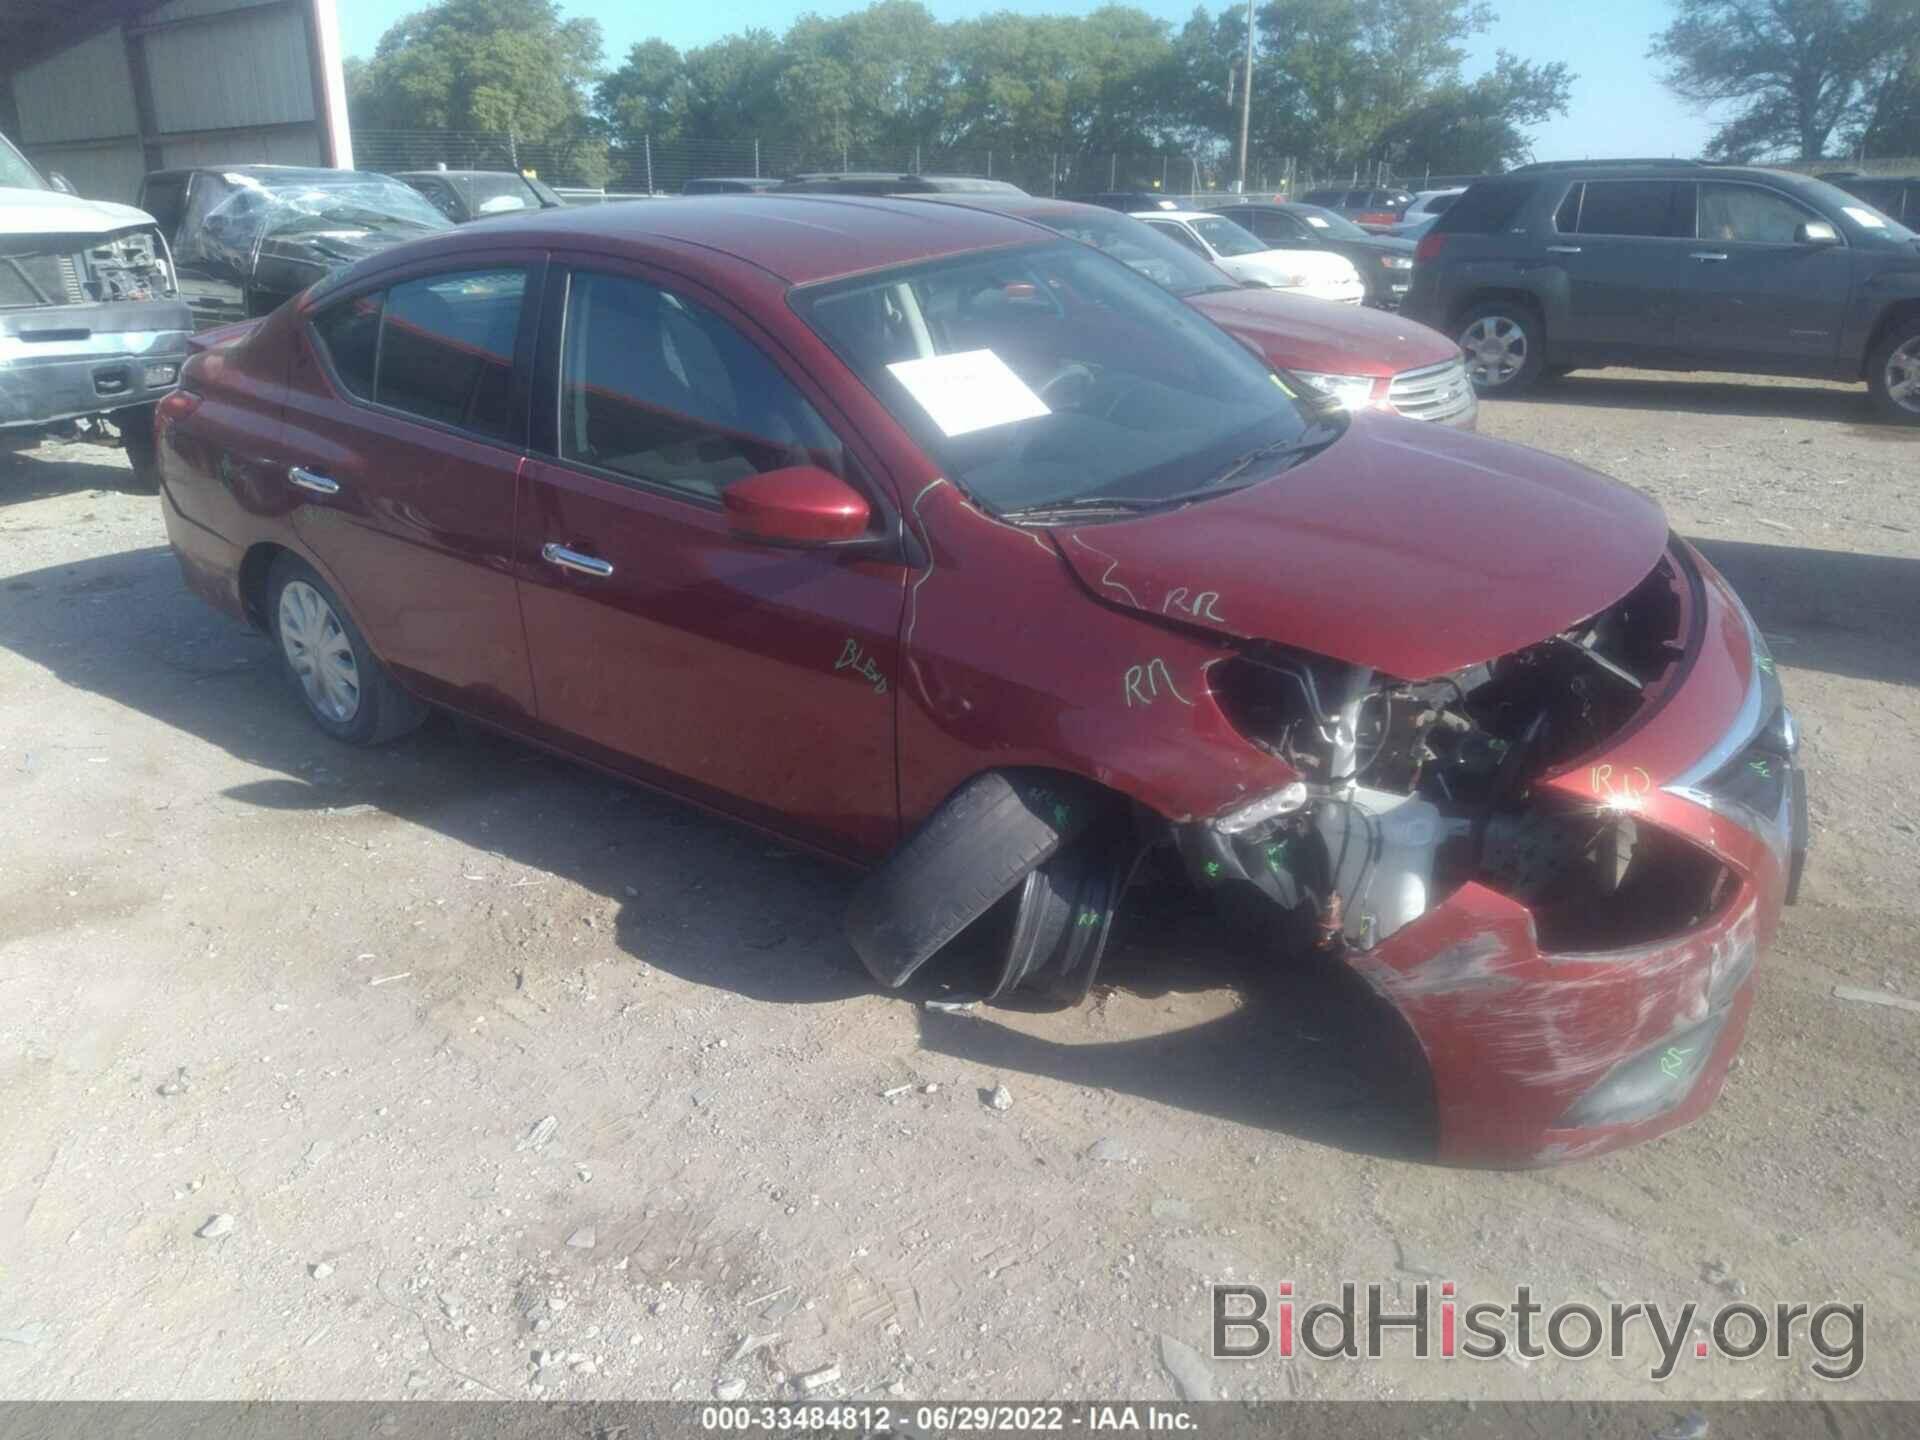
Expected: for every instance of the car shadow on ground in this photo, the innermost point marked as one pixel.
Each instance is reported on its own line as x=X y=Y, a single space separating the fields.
x=26 y=475
x=1298 y=1048
x=1789 y=401
x=1837 y=611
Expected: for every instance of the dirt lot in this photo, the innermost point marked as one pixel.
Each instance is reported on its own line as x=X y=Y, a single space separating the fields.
x=490 y=1060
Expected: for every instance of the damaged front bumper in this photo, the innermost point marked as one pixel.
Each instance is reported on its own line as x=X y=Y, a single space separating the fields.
x=63 y=362
x=1540 y=1057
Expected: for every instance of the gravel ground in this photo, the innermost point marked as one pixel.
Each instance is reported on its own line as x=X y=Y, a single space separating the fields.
x=513 y=1081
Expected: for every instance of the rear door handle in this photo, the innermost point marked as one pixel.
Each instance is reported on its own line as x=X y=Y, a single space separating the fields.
x=573 y=560
x=1563 y=249
x=309 y=480
x=1709 y=255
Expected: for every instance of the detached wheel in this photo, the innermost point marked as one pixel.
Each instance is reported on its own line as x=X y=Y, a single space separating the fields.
x=346 y=689
x=1506 y=346
x=1893 y=375
x=136 y=437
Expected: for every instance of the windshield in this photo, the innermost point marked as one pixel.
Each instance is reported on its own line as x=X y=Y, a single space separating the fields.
x=354 y=200
x=15 y=172
x=1225 y=237
x=1046 y=375
x=1325 y=222
x=495 y=194
x=1137 y=244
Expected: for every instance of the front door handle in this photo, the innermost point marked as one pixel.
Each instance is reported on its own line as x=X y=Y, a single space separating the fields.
x=309 y=480
x=1563 y=249
x=573 y=560
x=1705 y=255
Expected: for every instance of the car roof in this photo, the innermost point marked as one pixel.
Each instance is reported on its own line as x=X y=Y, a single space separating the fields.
x=311 y=174
x=796 y=238
x=411 y=174
x=1571 y=171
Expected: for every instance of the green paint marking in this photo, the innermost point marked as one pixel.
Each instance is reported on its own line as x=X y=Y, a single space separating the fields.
x=1060 y=814
x=1760 y=768
x=1275 y=853
x=1766 y=663
x=1088 y=919
x=1673 y=1061
x=1213 y=869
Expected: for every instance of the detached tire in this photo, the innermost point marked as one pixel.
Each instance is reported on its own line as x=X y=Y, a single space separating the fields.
x=136 y=437
x=1506 y=345
x=976 y=847
x=347 y=691
x=1893 y=374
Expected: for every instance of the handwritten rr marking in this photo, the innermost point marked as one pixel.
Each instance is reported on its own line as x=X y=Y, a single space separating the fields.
x=852 y=658
x=1626 y=787
x=1200 y=606
x=1144 y=683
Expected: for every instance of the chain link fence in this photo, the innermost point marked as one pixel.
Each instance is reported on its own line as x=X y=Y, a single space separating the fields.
x=590 y=166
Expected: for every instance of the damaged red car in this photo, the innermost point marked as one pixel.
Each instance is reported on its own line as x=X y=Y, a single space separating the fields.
x=944 y=545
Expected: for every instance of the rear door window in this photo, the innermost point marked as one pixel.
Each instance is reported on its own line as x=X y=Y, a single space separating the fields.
x=1486 y=209
x=446 y=348
x=350 y=334
x=1642 y=208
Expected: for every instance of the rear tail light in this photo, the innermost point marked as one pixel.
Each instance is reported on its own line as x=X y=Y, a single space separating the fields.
x=177 y=405
x=1429 y=248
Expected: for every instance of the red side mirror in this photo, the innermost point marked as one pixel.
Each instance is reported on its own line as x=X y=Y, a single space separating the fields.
x=802 y=505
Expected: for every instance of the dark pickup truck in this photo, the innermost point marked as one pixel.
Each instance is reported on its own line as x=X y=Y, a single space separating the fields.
x=1674 y=266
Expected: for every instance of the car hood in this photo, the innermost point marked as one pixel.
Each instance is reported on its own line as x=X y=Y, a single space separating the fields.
x=1406 y=547
x=48 y=212
x=1298 y=333
x=333 y=247
x=1318 y=266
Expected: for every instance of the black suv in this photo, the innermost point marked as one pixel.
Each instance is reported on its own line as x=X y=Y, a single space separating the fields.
x=1674 y=266
x=1894 y=195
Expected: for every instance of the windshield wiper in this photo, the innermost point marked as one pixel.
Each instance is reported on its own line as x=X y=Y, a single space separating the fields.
x=1292 y=451
x=1085 y=505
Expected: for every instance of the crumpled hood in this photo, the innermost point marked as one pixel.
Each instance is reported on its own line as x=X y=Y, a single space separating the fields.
x=48 y=212
x=335 y=247
x=1410 y=548
x=1298 y=333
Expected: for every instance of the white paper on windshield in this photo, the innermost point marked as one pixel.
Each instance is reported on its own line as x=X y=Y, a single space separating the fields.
x=1316 y=222
x=967 y=391
x=1865 y=217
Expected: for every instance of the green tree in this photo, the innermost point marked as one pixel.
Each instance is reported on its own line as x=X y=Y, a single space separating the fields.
x=512 y=65
x=1788 y=73
x=733 y=87
x=647 y=95
x=1478 y=127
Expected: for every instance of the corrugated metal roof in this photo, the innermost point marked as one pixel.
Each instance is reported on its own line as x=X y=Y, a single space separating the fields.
x=262 y=76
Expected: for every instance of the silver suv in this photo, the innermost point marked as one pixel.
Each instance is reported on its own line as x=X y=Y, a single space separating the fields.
x=91 y=320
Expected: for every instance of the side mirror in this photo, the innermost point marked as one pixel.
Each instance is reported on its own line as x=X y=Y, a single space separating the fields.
x=1815 y=232
x=61 y=183
x=801 y=505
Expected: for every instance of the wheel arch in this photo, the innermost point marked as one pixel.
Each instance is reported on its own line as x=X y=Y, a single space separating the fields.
x=1901 y=312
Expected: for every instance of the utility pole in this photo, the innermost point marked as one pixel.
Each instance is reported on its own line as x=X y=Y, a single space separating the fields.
x=1246 y=100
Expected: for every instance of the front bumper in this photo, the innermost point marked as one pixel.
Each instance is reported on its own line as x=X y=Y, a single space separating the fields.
x=1538 y=1058
x=66 y=361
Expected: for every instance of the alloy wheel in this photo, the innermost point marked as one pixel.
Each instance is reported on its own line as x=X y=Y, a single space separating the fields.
x=319 y=652
x=1496 y=347
x=1903 y=376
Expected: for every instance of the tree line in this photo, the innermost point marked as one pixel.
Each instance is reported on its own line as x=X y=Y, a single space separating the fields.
x=1339 y=85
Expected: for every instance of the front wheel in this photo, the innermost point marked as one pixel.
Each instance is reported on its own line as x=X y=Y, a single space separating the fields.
x=1506 y=346
x=143 y=453
x=1893 y=375
x=346 y=689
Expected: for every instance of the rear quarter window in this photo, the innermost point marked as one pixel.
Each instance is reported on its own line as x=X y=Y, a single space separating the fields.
x=1485 y=209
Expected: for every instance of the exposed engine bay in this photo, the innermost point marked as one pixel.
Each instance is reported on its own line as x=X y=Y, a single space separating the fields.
x=43 y=270
x=1410 y=789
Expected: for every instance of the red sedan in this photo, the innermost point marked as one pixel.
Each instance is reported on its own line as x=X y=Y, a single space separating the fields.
x=960 y=550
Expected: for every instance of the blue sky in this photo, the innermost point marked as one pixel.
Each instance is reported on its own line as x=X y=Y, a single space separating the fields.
x=1618 y=108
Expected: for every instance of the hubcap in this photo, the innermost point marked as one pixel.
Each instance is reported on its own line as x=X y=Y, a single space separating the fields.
x=1903 y=376
x=317 y=648
x=1496 y=348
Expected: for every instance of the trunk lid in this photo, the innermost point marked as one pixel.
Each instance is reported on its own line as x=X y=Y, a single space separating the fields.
x=1410 y=548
